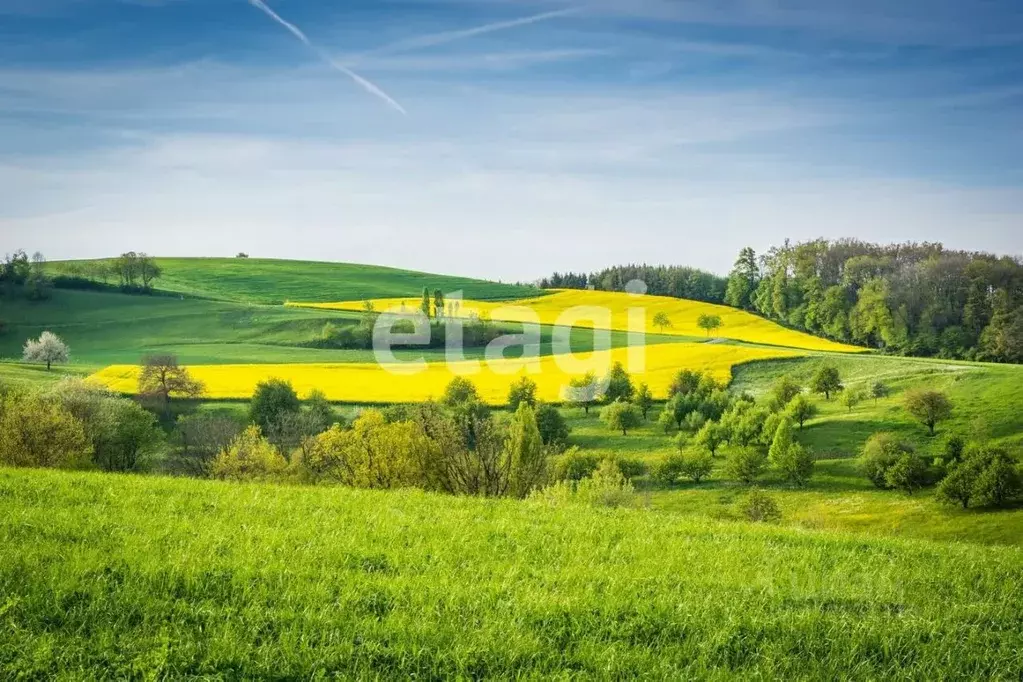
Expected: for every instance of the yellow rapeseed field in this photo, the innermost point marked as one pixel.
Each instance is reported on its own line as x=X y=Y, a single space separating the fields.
x=376 y=383
x=615 y=310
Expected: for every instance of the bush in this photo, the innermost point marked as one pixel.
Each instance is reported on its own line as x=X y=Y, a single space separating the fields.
x=202 y=436
x=35 y=432
x=759 y=507
x=459 y=391
x=621 y=416
x=695 y=465
x=908 y=473
x=574 y=465
x=272 y=399
x=880 y=453
x=129 y=435
x=522 y=391
x=986 y=477
x=605 y=487
x=553 y=427
x=746 y=464
x=250 y=457
x=629 y=466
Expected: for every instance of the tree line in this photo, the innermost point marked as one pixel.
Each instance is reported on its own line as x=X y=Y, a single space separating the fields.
x=911 y=299
x=661 y=280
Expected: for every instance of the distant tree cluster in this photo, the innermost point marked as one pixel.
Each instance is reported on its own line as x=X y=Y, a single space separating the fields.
x=130 y=272
x=24 y=277
x=661 y=280
x=913 y=299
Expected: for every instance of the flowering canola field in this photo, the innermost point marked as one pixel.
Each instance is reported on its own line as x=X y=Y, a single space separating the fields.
x=394 y=383
x=615 y=311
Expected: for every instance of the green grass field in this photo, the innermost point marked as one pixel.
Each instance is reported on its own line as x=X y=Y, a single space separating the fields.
x=109 y=328
x=106 y=576
x=254 y=280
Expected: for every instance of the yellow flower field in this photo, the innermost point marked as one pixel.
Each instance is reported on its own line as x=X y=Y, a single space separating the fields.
x=375 y=383
x=614 y=310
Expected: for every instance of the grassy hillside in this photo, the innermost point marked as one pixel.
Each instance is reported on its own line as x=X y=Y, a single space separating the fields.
x=112 y=328
x=115 y=576
x=254 y=280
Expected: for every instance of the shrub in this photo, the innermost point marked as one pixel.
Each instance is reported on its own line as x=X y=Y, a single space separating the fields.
x=696 y=465
x=907 y=473
x=746 y=464
x=35 y=432
x=791 y=458
x=250 y=457
x=619 y=385
x=202 y=436
x=128 y=436
x=574 y=465
x=693 y=422
x=880 y=453
x=606 y=487
x=272 y=399
x=621 y=416
x=784 y=390
x=553 y=427
x=629 y=466
x=759 y=507
x=670 y=469
x=459 y=391
x=986 y=477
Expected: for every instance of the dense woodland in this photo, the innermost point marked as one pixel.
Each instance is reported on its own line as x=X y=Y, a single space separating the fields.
x=908 y=299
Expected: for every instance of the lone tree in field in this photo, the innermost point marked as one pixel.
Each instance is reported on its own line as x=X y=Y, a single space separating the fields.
x=47 y=348
x=851 y=399
x=826 y=380
x=162 y=379
x=583 y=391
x=801 y=410
x=621 y=416
x=879 y=390
x=709 y=323
x=928 y=407
x=662 y=321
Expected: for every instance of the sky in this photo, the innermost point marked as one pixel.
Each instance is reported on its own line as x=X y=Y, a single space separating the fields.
x=507 y=139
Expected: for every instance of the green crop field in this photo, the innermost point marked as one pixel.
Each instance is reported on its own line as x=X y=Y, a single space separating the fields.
x=124 y=576
x=254 y=280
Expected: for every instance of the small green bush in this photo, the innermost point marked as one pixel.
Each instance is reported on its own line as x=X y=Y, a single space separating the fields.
x=759 y=507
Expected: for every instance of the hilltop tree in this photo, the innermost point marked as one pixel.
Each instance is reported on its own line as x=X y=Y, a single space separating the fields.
x=162 y=379
x=521 y=392
x=662 y=321
x=621 y=416
x=928 y=407
x=709 y=323
x=826 y=380
x=47 y=348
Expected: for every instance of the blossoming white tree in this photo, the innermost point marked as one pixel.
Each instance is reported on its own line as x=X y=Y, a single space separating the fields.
x=47 y=348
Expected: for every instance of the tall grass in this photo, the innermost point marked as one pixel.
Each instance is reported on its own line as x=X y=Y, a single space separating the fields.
x=117 y=576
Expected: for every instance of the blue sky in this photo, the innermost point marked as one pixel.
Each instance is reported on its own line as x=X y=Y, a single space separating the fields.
x=536 y=135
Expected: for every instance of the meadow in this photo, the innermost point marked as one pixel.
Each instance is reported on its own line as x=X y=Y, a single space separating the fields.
x=125 y=576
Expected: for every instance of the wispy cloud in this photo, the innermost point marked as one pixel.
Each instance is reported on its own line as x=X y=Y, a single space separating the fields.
x=295 y=31
x=445 y=37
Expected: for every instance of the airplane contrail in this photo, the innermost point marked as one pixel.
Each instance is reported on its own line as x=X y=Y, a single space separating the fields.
x=297 y=32
x=445 y=37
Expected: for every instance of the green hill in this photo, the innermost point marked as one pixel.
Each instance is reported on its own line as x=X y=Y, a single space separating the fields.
x=255 y=280
x=126 y=576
